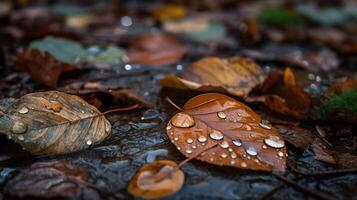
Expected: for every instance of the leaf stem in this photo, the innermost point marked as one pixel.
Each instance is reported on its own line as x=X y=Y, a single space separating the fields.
x=121 y=109
x=173 y=104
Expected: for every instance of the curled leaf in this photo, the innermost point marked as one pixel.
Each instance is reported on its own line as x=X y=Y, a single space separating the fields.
x=155 y=180
x=55 y=179
x=235 y=75
x=53 y=123
x=243 y=139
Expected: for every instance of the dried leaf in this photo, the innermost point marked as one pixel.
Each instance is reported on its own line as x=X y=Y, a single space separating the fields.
x=156 y=180
x=283 y=97
x=53 y=123
x=153 y=49
x=235 y=75
x=244 y=139
x=43 y=67
x=56 y=179
x=322 y=151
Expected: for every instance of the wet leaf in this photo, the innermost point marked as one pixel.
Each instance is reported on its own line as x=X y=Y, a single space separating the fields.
x=322 y=151
x=99 y=95
x=55 y=179
x=53 y=123
x=156 y=180
x=244 y=139
x=234 y=75
x=299 y=137
x=43 y=67
x=281 y=95
x=168 y=12
x=314 y=60
x=153 y=49
x=197 y=29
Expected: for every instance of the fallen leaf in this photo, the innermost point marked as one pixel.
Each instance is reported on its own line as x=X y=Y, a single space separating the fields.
x=322 y=151
x=53 y=123
x=154 y=49
x=156 y=180
x=168 y=12
x=55 y=179
x=299 y=137
x=282 y=95
x=324 y=59
x=234 y=75
x=43 y=67
x=97 y=94
x=244 y=139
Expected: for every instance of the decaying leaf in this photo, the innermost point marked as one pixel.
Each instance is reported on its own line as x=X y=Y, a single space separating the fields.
x=322 y=151
x=154 y=49
x=244 y=139
x=156 y=180
x=281 y=94
x=97 y=94
x=43 y=67
x=55 y=179
x=235 y=75
x=53 y=123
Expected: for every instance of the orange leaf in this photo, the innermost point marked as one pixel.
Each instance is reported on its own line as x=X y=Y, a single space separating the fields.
x=155 y=180
x=244 y=139
x=289 y=77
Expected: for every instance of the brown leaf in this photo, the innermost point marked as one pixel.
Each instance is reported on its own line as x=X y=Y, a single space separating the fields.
x=156 y=180
x=97 y=94
x=234 y=75
x=281 y=95
x=299 y=137
x=44 y=68
x=53 y=123
x=154 y=49
x=244 y=139
x=322 y=151
x=56 y=179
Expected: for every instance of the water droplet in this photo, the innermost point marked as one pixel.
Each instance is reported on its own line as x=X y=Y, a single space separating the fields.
x=189 y=140
x=179 y=67
x=233 y=162
x=20 y=137
x=168 y=128
x=18 y=127
x=243 y=164
x=82 y=111
x=222 y=115
x=251 y=151
x=188 y=151
x=24 y=110
x=194 y=147
x=182 y=120
x=202 y=138
x=89 y=142
x=107 y=128
x=126 y=21
x=256 y=160
x=224 y=144
x=264 y=146
x=179 y=148
x=128 y=67
x=223 y=155
x=230 y=150
x=274 y=141
x=237 y=142
x=265 y=124
x=280 y=154
x=216 y=135
x=233 y=155
x=247 y=127
x=176 y=138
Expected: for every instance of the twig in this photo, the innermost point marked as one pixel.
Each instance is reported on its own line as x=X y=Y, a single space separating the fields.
x=121 y=109
x=315 y=194
x=326 y=173
x=272 y=191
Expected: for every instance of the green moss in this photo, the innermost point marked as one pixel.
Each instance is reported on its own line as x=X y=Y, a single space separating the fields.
x=341 y=105
x=280 y=17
